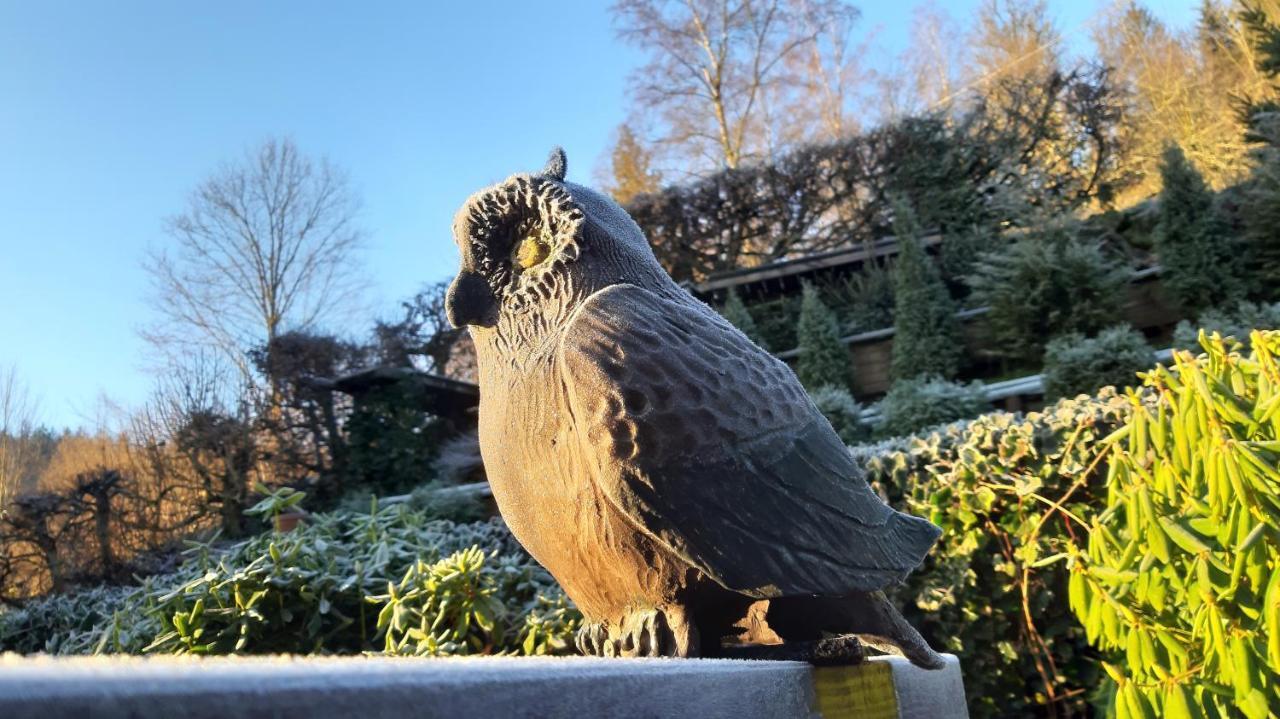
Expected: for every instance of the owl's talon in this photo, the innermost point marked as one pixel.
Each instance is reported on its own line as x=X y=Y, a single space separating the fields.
x=590 y=639
x=650 y=634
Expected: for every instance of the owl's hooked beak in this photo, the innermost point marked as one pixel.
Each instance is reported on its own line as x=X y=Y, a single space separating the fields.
x=471 y=302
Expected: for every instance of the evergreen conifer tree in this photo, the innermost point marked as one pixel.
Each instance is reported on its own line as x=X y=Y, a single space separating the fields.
x=632 y=167
x=824 y=360
x=1198 y=260
x=1260 y=200
x=1264 y=40
x=738 y=315
x=926 y=338
x=1260 y=211
x=1048 y=282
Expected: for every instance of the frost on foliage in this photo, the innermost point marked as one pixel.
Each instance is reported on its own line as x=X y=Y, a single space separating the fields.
x=842 y=411
x=320 y=589
x=1075 y=364
x=986 y=482
x=1236 y=322
x=927 y=401
x=458 y=457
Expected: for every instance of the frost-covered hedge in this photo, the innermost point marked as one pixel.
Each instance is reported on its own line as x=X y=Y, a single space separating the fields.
x=994 y=589
x=390 y=579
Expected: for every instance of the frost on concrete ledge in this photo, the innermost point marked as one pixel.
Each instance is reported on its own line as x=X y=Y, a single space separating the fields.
x=318 y=687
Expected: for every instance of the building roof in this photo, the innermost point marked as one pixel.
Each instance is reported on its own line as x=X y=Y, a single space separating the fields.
x=442 y=396
x=785 y=275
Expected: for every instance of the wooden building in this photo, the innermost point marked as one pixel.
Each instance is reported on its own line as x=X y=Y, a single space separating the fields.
x=1145 y=308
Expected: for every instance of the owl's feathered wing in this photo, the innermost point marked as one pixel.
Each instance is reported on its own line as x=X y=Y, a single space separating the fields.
x=709 y=444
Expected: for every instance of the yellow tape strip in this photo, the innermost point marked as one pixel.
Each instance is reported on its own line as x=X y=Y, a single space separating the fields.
x=863 y=691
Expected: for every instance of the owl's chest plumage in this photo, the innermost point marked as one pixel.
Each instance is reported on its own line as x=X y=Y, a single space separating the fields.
x=527 y=437
x=544 y=484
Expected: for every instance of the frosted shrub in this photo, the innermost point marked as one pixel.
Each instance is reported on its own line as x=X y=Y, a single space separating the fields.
x=1075 y=364
x=842 y=411
x=923 y=402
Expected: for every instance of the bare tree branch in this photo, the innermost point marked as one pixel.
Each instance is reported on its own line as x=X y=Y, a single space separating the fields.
x=18 y=419
x=719 y=69
x=266 y=245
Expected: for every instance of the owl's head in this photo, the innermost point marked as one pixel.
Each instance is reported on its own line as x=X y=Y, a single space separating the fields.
x=535 y=239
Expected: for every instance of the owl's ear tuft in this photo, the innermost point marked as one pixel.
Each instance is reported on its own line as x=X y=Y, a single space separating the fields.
x=557 y=165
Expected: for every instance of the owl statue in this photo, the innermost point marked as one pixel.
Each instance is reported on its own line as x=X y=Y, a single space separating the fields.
x=670 y=474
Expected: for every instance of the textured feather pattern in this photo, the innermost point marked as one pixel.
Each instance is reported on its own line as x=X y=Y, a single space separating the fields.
x=710 y=445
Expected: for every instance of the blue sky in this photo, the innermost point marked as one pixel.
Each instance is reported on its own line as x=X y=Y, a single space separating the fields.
x=111 y=112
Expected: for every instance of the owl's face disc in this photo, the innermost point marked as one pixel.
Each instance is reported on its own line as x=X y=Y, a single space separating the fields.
x=517 y=239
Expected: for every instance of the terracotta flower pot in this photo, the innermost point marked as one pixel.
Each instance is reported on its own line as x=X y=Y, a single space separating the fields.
x=289 y=520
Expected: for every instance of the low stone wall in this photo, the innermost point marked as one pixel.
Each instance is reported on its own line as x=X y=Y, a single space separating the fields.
x=577 y=687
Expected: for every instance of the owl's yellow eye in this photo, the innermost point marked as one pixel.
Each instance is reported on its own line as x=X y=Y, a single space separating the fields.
x=530 y=251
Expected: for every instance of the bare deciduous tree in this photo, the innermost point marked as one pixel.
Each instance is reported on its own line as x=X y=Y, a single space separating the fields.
x=1013 y=40
x=929 y=74
x=1183 y=88
x=713 y=65
x=823 y=78
x=18 y=419
x=423 y=337
x=194 y=441
x=267 y=244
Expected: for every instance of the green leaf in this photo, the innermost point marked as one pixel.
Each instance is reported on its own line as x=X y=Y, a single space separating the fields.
x=1183 y=536
x=1255 y=705
x=1113 y=576
x=1176 y=703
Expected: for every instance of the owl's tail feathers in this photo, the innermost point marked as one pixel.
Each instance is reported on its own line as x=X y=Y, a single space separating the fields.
x=883 y=545
x=867 y=615
x=876 y=621
x=879 y=625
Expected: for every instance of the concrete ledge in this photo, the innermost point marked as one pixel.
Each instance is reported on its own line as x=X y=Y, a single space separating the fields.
x=578 y=687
